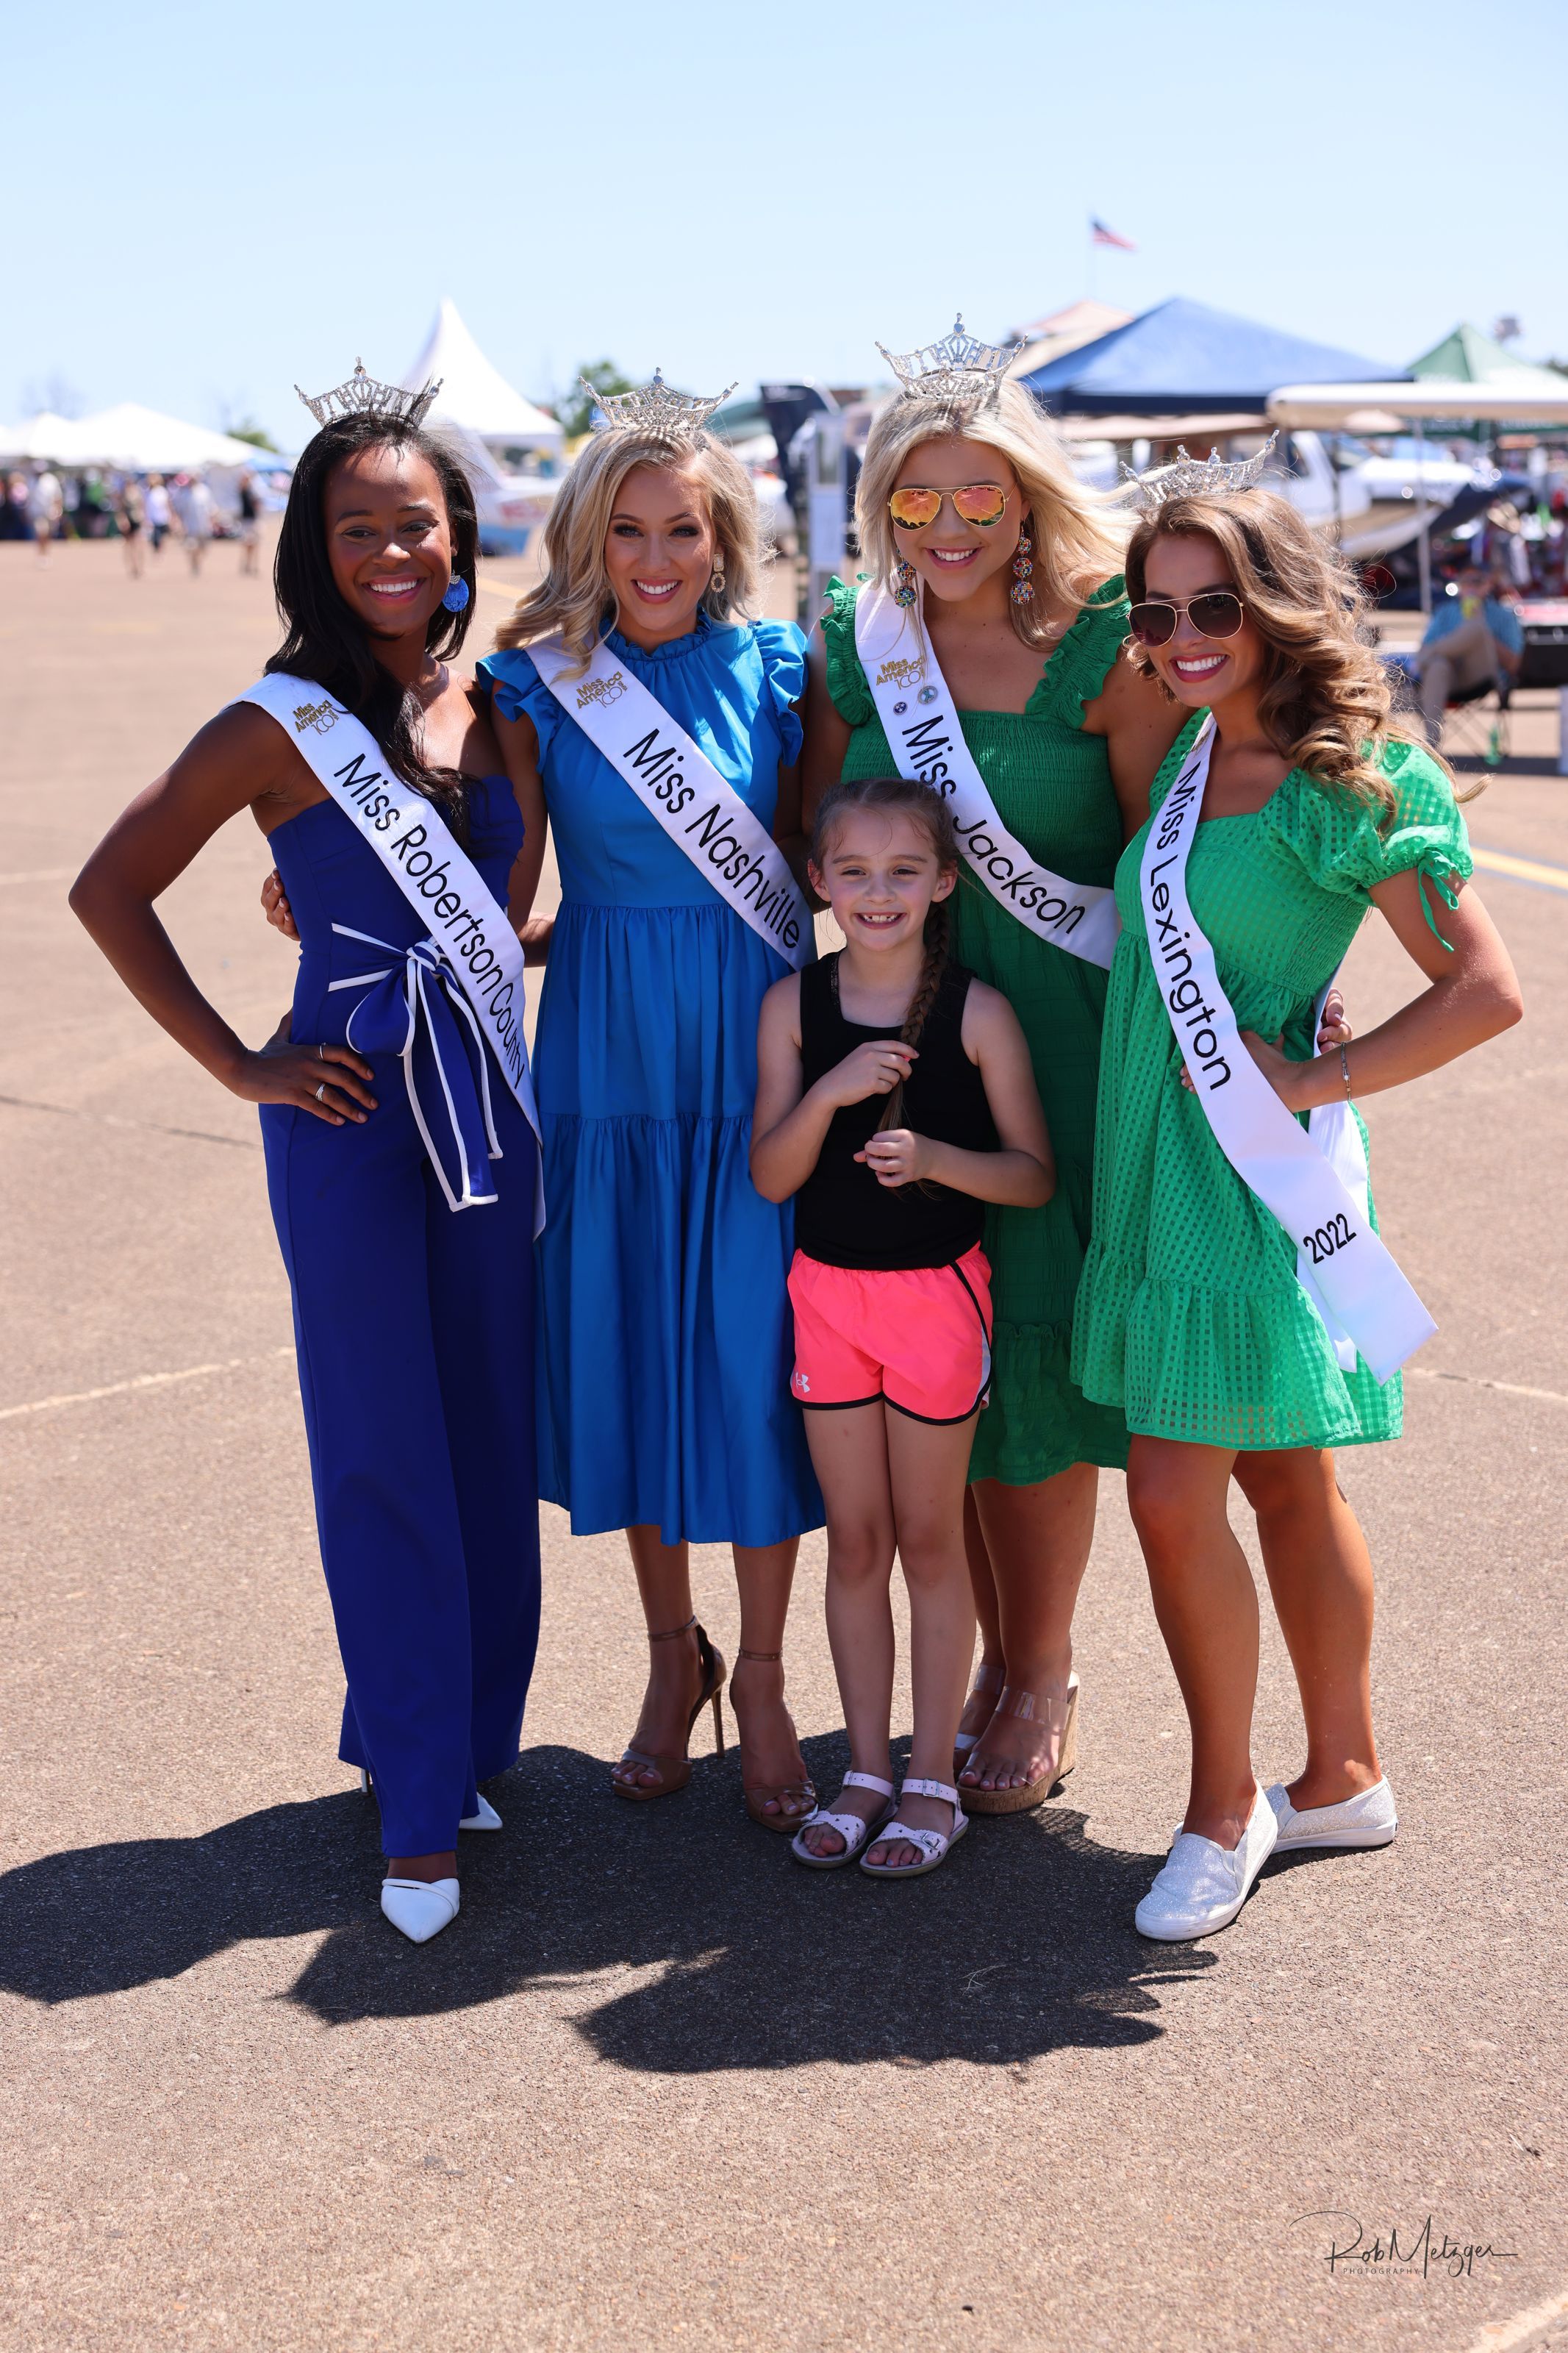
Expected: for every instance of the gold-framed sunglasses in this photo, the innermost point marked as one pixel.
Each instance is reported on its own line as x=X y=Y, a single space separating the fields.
x=983 y=503
x=1217 y=613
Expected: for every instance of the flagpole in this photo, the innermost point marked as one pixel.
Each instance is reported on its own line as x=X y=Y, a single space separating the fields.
x=1088 y=272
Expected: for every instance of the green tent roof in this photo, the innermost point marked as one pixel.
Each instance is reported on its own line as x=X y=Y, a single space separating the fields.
x=1467 y=356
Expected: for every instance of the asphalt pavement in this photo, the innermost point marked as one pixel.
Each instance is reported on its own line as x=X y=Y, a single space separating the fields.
x=657 y=2087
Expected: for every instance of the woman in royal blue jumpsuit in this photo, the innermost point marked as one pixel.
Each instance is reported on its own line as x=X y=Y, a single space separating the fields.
x=402 y=1174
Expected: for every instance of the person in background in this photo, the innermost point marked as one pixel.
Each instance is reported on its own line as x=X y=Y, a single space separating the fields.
x=160 y=513
x=249 y=523
x=130 y=516
x=14 y=524
x=46 y=505
x=1473 y=639
x=197 y=520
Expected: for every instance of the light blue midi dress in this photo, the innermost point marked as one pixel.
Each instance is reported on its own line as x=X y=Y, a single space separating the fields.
x=664 y=1326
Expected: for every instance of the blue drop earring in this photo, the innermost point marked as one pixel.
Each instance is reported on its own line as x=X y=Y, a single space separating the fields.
x=904 y=576
x=455 y=599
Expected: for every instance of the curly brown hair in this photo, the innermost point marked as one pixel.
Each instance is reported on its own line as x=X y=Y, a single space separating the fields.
x=1327 y=705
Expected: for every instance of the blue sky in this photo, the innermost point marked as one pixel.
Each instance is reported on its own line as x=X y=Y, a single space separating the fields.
x=217 y=202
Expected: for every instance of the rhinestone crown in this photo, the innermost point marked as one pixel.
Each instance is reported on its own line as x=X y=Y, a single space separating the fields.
x=961 y=367
x=361 y=396
x=1213 y=477
x=655 y=407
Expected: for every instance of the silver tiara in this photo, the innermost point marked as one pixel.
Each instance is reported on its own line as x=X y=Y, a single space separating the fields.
x=1213 y=477
x=655 y=408
x=961 y=367
x=363 y=396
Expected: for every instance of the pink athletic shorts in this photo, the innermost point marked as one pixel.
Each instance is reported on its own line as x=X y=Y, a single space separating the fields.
x=917 y=1338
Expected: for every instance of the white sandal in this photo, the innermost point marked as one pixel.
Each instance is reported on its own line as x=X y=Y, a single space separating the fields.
x=853 y=1829
x=932 y=1844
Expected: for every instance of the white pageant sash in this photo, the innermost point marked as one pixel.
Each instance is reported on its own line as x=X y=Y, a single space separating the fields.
x=1353 y=1276
x=927 y=741
x=471 y=941
x=683 y=792
x=1335 y=1130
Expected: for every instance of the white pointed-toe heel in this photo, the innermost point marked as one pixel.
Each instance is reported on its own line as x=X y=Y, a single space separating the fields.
x=420 y=1907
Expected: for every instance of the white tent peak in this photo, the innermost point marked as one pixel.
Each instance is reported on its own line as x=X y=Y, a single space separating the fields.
x=473 y=394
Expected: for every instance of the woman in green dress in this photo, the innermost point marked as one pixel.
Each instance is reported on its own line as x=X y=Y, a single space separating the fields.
x=1191 y=1318
x=1025 y=610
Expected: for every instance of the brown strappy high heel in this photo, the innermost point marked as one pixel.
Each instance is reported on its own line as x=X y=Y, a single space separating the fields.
x=757 y=1797
x=1027 y=1794
x=676 y=1772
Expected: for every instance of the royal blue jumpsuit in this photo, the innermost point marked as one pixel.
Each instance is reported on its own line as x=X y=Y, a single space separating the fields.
x=414 y=1323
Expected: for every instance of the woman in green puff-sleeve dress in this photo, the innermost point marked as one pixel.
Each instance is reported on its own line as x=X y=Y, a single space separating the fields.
x=1191 y=1319
x=1068 y=740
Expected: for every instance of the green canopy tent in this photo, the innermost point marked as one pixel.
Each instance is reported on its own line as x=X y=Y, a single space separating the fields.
x=1467 y=356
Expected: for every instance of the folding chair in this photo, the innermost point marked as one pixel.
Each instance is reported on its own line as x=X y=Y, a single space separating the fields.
x=1476 y=724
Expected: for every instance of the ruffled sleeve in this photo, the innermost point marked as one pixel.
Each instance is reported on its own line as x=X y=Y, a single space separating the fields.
x=846 y=678
x=1079 y=666
x=783 y=648
x=1339 y=837
x=519 y=692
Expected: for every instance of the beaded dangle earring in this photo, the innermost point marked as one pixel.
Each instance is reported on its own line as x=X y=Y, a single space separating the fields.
x=1023 y=565
x=716 y=584
x=904 y=578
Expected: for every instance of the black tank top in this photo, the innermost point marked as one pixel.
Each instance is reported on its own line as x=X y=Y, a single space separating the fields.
x=842 y=1216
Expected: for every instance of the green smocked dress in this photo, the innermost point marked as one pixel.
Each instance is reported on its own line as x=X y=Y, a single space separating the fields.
x=1052 y=785
x=1190 y=1318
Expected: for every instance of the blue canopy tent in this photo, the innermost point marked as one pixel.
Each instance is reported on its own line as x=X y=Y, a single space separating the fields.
x=1185 y=359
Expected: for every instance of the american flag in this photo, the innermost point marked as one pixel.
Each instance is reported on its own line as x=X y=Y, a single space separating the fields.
x=1099 y=235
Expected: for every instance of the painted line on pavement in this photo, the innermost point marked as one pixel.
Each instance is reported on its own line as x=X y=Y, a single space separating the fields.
x=1476 y=1381
x=43 y=874
x=141 y=1381
x=114 y=1119
x=1521 y=869
x=511 y=590
x=1500 y=2335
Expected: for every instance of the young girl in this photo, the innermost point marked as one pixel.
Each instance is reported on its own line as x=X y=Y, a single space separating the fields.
x=889 y=1285
x=1294 y=805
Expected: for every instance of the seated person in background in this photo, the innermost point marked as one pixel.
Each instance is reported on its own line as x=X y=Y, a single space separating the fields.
x=1473 y=639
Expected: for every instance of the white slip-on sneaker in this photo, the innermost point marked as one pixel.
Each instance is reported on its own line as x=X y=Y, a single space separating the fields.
x=420 y=1907
x=1203 y=1885
x=1369 y=1819
x=485 y=1819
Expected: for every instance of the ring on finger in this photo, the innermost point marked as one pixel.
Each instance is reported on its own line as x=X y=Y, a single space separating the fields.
x=322 y=1092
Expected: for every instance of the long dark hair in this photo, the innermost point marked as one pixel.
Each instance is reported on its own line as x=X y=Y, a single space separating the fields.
x=924 y=804
x=324 y=641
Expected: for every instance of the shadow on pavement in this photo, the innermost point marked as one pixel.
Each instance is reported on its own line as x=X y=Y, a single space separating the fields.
x=1022 y=1944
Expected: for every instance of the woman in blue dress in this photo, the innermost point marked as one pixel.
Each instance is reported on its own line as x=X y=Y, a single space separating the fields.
x=412 y=1324
x=664 y=1330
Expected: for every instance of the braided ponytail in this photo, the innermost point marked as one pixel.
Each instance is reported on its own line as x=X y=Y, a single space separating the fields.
x=924 y=802
x=920 y=1003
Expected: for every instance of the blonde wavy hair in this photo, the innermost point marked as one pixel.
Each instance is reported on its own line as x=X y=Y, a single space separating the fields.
x=1327 y=705
x=575 y=596
x=1077 y=534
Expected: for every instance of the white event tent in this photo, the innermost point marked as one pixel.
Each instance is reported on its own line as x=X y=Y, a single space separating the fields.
x=477 y=398
x=141 y=440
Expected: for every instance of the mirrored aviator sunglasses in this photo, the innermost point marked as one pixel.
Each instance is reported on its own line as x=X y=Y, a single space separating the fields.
x=1216 y=615
x=984 y=504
